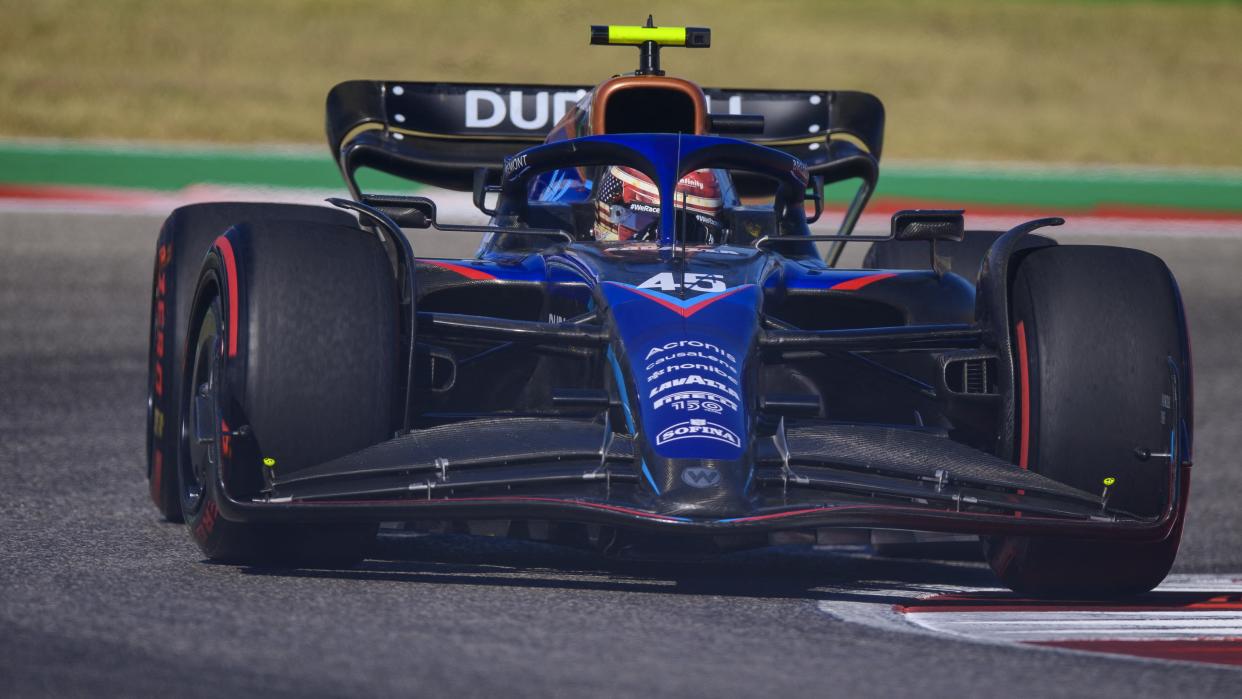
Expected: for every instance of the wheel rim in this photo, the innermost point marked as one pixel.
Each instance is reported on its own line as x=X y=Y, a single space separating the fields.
x=200 y=417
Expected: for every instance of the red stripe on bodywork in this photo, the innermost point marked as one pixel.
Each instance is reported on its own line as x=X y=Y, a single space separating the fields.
x=507 y=498
x=859 y=282
x=463 y=270
x=230 y=271
x=593 y=505
x=790 y=513
x=689 y=310
x=1024 y=377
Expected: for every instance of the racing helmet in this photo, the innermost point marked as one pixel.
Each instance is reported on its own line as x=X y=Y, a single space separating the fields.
x=627 y=206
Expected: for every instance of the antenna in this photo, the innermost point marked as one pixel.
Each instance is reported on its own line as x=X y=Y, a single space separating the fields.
x=649 y=39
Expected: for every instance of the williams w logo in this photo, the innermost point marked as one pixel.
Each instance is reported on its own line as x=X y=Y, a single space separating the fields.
x=700 y=477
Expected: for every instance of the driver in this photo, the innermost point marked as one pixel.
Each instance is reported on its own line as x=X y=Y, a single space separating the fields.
x=627 y=206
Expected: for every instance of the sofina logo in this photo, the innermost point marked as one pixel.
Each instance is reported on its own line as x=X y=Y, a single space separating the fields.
x=700 y=477
x=698 y=429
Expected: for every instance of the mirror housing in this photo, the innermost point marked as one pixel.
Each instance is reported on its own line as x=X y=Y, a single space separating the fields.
x=929 y=224
x=406 y=212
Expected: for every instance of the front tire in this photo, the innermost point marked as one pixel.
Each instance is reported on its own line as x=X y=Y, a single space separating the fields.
x=294 y=363
x=1101 y=348
x=183 y=242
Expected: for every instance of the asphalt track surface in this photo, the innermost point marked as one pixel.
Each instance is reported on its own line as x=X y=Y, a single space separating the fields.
x=99 y=597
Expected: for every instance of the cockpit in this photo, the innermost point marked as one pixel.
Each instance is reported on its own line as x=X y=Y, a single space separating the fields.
x=660 y=188
x=626 y=202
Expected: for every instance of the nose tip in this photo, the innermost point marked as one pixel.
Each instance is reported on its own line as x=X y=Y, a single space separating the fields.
x=705 y=490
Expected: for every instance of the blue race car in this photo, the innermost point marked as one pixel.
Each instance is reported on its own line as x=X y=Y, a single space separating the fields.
x=652 y=348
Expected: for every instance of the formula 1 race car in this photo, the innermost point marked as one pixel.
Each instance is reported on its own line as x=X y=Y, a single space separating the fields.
x=651 y=346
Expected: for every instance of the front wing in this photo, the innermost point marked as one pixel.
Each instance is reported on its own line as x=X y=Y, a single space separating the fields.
x=810 y=476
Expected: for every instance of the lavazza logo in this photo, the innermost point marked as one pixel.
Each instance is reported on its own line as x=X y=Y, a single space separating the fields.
x=698 y=429
x=690 y=382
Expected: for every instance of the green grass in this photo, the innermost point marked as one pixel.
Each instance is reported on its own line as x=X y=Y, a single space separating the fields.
x=1114 y=82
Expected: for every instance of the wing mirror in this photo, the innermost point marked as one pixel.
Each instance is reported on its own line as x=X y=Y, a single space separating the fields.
x=929 y=224
x=406 y=212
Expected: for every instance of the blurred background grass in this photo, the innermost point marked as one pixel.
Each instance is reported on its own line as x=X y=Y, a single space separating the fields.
x=1042 y=80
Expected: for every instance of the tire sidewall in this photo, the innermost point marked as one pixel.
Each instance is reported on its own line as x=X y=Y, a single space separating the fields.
x=217 y=537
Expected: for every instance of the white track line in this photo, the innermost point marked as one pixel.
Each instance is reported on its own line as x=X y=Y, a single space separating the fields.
x=1023 y=628
x=1056 y=626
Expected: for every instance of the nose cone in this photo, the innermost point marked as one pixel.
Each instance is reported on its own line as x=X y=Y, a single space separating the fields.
x=682 y=367
x=705 y=490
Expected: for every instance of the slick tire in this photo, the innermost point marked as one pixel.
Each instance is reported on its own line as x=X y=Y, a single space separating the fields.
x=1101 y=347
x=293 y=362
x=182 y=244
x=963 y=258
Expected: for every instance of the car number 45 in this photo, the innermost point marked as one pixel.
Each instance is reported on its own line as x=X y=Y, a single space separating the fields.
x=667 y=281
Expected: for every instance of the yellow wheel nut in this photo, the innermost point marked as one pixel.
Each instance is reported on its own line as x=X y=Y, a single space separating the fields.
x=269 y=461
x=1110 y=480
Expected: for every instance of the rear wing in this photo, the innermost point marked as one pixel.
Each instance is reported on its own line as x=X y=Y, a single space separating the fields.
x=441 y=133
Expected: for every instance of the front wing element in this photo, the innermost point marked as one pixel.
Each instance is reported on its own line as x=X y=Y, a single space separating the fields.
x=815 y=475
